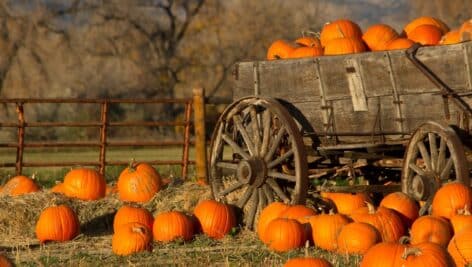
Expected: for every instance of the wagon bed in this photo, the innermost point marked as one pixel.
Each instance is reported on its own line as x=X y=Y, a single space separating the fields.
x=374 y=97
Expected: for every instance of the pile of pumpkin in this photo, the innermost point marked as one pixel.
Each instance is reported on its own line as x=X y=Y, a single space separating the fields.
x=393 y=234
x=134 y=226
x=346 y=37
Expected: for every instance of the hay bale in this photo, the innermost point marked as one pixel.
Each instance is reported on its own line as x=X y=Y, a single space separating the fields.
x=18 y=215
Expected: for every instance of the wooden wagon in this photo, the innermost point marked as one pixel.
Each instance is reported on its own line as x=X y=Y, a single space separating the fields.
x=297 y=124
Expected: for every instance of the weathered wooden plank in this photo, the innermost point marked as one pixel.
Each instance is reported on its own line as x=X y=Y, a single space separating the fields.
x=447 y=62
x=243 y=80
x=292 y=80
x=420 y=108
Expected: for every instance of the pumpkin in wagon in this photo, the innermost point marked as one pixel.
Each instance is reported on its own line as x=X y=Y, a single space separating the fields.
x=378 y=36
x=342 y=28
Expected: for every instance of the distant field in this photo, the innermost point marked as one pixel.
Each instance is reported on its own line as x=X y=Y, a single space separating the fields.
x=48 y=175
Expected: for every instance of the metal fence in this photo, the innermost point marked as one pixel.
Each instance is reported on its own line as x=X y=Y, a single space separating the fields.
x=104 y=124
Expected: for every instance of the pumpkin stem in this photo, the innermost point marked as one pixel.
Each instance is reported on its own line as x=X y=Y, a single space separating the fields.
x=132 y=165
x=411 y=251
x=464 y=211
x=370 y=207
x=404 y=240
x=307 y=245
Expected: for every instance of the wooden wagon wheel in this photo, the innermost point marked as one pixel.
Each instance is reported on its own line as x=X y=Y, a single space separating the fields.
x=434 y=156
x=252 y=140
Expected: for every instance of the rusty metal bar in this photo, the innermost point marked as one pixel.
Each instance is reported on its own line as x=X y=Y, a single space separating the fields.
x=103 y=136
x=98 y=100
x=188 y=111
x=92 y=163
x=98 y=144
x=21 y=138
x=93 y=124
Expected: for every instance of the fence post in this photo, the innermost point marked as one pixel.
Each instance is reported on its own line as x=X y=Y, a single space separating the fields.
x=103 y=135
x=200 y=141
x=21 y=138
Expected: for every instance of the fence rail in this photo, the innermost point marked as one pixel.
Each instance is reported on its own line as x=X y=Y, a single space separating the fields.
x=196 y=103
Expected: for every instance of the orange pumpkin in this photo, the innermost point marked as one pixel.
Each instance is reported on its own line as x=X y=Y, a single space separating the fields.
x=5 y=262
x=378 y=36
x=357 y=238
x=216 y=219
x=402 y=203
x=57 y=223
x=400 y=43
x=431 y=229
x=127 y=214
x=58 y=188
x=465 y=31
x=343 y=46
x=269 y=213
x=172 y=225
x=452 y=37
x=308 y=262
x=459 y=248
x=426 y=254
x=285 y=234
x=85 y=184
x=131 y=238
x=462 y=220
x=346 y=203
x=342 y=28
x=425 y=20
x=19 y=185
x=308 y=41
x=279 y=49
x=426 y=35
x=304 y=51
x=139 y=182
x=385 y=254
x=387 y=221
x=326 y=228
x=450 y=198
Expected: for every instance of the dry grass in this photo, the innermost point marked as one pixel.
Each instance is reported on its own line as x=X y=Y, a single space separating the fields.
x=93 y=247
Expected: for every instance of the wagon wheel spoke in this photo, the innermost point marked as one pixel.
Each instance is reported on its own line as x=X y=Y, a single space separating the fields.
x=275 y=144
x=416 y=169
x=442 y=154
x=425 y=155
x=262 y=200
x=244 y=134
x=230 y=189
x=266 y=132
x=256 y=131
x=236 y=148
x=446 y=162
x=268 y=193
x=280 y=159
x=282 y=176
x=227 y=165
x=433 y=148
x=446 y=172
x=252 y=206
x=244 y=199
x=278 y=191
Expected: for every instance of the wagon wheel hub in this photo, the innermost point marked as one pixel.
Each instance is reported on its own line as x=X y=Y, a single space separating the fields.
x=423 y=186
x=252 y=171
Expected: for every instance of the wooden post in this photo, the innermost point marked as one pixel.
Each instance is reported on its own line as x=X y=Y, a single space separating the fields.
x=188 y=111
x=200 y=141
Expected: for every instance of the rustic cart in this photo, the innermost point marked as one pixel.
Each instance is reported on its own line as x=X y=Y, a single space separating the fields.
x=297 y=124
